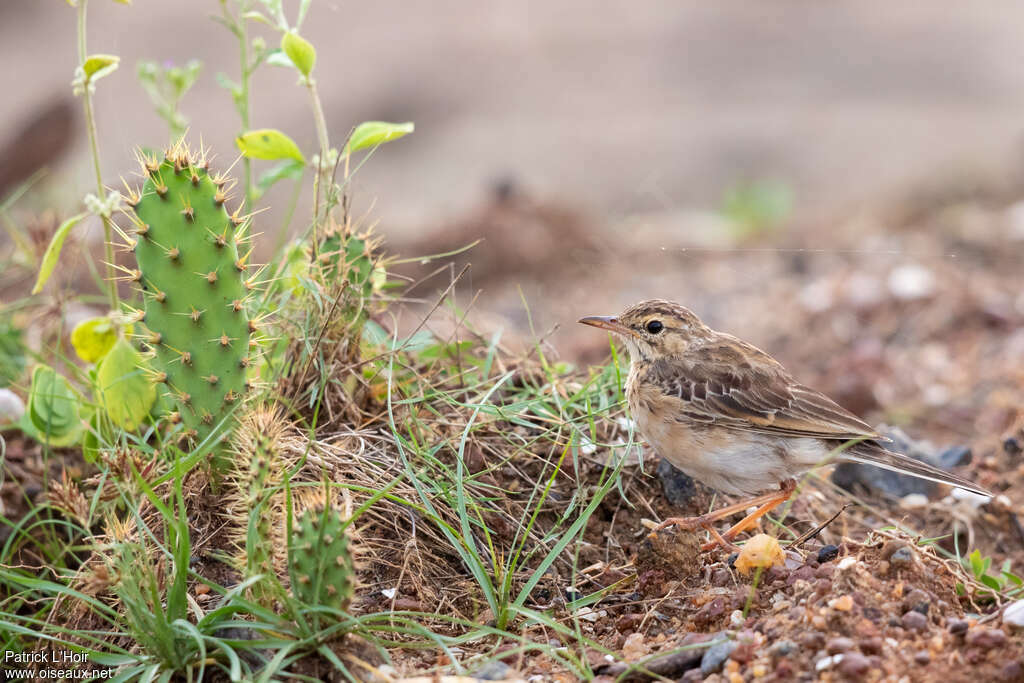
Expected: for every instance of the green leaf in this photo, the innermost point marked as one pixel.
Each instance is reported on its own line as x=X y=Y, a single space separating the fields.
x=373 y=133
x=98 y=66
x=125 y=392
x=253 y=15
x=289 y=168
x=300 y=51
x=279 y=58
x=91 y=441
x=53 y=407
x=53 y=251
x=991 y=582
x=12 y=353
x=93 y=338
x=267 y=143
x=977 y=564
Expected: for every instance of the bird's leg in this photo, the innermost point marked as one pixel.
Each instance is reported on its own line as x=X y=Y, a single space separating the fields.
x=701 y=521
x=786 y=491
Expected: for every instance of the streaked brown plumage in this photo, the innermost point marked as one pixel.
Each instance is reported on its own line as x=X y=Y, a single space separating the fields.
x=731 y=416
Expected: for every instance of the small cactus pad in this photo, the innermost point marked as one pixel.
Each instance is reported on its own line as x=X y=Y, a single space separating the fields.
x=194 y=285
x=349 y=256
x=320 y=559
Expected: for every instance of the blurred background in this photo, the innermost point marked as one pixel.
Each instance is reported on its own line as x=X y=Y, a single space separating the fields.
x=815 y=177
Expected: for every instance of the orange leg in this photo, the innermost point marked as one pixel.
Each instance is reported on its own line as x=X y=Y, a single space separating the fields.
x=747 y=522
x=765 y=503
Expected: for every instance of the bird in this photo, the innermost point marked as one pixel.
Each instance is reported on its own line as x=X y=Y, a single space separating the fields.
x=732 y=417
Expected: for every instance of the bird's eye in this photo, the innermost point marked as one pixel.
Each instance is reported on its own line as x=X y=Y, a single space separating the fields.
x=655 y=326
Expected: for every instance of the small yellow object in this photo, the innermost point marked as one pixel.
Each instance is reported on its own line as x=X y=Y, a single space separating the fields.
x=842 y=604
x=760 y=551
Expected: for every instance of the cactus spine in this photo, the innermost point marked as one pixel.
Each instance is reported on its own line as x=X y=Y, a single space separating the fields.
x=319 y=555
x=194 y=285
x=257 y=466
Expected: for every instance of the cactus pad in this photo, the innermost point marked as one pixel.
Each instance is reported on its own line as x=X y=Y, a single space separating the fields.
x=320 y=558
x=194 y=285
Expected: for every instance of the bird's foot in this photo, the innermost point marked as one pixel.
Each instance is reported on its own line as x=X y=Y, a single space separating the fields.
x=684 y=523
x=704 y=522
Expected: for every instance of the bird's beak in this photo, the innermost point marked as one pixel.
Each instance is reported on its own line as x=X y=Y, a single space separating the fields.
x=607 y=322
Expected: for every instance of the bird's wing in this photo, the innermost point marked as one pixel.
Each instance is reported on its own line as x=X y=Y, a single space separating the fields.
x=730 y=383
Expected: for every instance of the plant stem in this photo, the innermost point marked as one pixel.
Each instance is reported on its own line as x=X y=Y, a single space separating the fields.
x=90 y=124
x=244 y=100
x=320 y=181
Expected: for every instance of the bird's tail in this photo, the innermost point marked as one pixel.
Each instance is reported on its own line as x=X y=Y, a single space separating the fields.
x=871 y=454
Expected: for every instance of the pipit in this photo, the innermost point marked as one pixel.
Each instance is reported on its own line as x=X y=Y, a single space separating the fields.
x=729 y=415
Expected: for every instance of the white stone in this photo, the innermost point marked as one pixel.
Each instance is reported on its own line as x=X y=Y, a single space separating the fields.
x=911 y=281
x=913 y=501
x=846 y=562
x=974 y=500
x=1013 y=615
x=11 y=406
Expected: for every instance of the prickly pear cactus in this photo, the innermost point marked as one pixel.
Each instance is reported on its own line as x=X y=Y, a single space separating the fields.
x=194 y=285
x=349 y=256
x=256 y=468
x=320 y=558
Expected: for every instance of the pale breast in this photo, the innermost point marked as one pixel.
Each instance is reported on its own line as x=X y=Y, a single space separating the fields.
x=729 y=460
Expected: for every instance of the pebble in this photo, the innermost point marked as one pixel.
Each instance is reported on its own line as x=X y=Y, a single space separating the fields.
x=915 y=621
x=1014 y=671
x=957 y=627
x=736 y=619
x=840 y=644
x=710 y=611
x=911 y=281
x=914 y=501
x=495 y=670
x=812 y=640
x=634 y=647
x=1012 y=446
x=922 y=657
x=628 y=622
x=917 y=600
x=955 y=456
x=902 y=558
x=828 y=553
x=715 y=656
x=783 y=648
x=825 y=662
x=1013 y=615
x=853 y=664
x=841 y=604
x=11 y=406
x=846 y=563
x=804 y=573
x=986 y=638
x=721 y=578
x=679 y=488
x=871 y=646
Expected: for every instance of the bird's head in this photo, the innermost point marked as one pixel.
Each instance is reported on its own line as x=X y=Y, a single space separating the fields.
x=653 y=329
